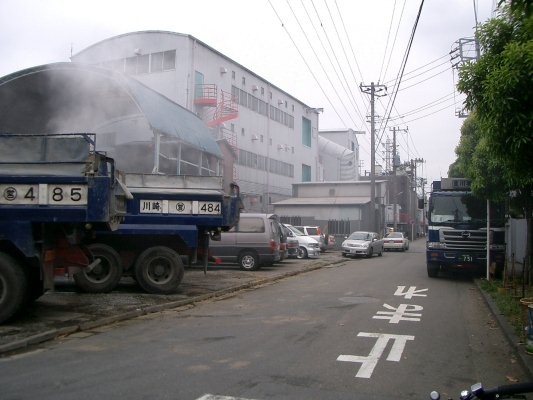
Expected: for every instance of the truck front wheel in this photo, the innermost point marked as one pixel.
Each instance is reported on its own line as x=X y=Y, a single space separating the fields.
x=104 y=277
x=13 y=287
x=433 y=269
x=159 y=270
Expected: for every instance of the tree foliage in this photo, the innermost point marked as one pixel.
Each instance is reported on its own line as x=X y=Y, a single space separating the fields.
x=496 y=148
x=474 y=160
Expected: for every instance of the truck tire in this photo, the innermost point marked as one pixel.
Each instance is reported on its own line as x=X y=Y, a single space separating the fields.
x=433 y=269
x=13 y=287
x=106 y=275
x=248 y=261
x=159 y=270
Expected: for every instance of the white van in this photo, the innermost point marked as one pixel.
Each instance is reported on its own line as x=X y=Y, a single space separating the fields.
x=309 y=247
x=252 y=243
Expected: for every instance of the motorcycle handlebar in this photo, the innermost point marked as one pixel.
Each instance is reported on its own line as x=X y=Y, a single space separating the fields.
x=477 y=391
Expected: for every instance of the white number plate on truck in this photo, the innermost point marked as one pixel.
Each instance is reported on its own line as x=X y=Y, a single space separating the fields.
x=180 y=207
x=43 y=194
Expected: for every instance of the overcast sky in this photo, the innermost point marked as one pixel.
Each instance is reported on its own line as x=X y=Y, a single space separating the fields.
x=319 y=51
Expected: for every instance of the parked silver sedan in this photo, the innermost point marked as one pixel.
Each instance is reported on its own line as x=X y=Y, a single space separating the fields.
x=362 y=243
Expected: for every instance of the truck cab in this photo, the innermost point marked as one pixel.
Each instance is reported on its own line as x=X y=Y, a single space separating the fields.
x=458 y=236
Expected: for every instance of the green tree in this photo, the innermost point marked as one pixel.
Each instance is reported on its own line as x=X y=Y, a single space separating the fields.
x=496 y=148
x=474 y=161
x=499 y=87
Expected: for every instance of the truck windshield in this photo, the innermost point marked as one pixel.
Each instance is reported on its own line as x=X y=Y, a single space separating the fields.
x=462 y=209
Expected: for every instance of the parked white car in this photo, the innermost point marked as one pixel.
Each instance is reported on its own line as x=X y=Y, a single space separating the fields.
x=309 y=247
x=396 y=241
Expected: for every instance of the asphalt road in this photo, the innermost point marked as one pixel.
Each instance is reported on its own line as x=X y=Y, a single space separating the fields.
x=359 y=329
x=66 y=310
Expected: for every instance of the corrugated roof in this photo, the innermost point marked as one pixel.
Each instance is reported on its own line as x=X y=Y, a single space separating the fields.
x=36 y=100
x=324 y=201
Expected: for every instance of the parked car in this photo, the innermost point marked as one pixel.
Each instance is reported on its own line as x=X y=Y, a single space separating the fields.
x=314 y=232
x=396 y=241
x=362 y=243
x=308 y=247
x=291 y=243
x=254 y=242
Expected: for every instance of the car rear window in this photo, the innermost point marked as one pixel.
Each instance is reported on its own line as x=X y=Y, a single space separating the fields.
x=395 y=235
x=312 y=231
x=254 y=225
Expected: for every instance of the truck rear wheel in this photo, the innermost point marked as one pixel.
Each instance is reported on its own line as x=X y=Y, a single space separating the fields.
x=13 y=287
x=159 y=270
x=105 y=276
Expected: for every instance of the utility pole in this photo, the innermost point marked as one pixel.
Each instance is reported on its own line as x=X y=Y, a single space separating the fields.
x=374 y=90
x=394 y=167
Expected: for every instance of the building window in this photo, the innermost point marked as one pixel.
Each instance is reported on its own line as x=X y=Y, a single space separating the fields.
x=242 y=131
x=169 y=60
x=262 y=91
x=243 y=81
x=306 y=173
x=306 y=132
x=156 y=64
x=143 y=64
x=233 y=75
x=131 y=65
x=261 y=138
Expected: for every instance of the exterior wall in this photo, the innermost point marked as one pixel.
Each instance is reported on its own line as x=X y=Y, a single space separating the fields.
x=348 y=139
x=338 y=189
x=255 y=136
x=338 y=219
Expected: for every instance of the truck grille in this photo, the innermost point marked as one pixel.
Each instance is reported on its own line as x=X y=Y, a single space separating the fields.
x=464 y=240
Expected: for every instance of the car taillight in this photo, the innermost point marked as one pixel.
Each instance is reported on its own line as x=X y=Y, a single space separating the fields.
x=273 y=244
x=318 y=231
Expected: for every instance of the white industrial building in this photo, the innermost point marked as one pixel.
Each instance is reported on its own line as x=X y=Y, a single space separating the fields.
x=274 y=136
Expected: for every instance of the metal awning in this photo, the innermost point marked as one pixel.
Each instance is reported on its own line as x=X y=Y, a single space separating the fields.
x=73 y=97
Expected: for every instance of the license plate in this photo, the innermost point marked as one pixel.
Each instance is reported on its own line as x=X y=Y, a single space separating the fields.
x=180 y=207
x=466 y=257
x=43 y=194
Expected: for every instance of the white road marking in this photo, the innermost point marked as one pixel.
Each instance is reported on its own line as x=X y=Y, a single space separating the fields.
x=410 y=292
x=404 y=312
x=368 y=363
x=217 y=397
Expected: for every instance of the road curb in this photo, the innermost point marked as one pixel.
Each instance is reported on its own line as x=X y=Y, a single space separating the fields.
x=56 y=333
x=525 y=359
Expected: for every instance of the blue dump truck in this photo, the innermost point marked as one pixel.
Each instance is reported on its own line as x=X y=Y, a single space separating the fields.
x=457 y=230
x=169 y=220
x=65 y=210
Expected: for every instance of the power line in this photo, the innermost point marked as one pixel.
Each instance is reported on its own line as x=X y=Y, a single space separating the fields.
x=305 y=62
x=320 y=62
x=394 y=42
x=344 y=85
x=404 y=63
